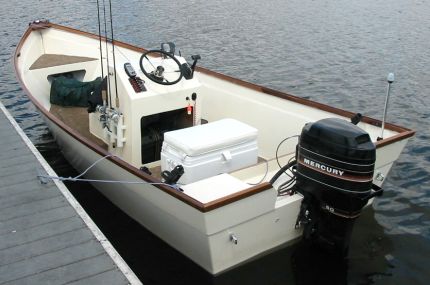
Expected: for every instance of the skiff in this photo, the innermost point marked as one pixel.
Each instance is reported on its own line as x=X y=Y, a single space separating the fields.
x=196 y=153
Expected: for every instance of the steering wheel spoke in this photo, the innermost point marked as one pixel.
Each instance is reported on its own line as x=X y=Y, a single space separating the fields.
x=150 y=62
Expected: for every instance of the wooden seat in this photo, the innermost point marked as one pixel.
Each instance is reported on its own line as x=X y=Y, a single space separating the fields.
x=51 y=60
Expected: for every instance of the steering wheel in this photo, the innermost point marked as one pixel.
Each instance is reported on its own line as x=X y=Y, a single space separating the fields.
x=164 y=67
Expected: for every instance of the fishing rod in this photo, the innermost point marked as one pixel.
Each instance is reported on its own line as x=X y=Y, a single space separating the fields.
x=100 y=47
x=113 y=55
x=107 y=54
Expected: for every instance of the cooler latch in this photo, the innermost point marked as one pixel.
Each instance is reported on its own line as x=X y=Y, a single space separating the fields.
x=227 y=155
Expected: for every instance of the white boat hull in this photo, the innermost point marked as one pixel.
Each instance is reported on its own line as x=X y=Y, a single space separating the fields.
x=200 y=236
x=217 y=234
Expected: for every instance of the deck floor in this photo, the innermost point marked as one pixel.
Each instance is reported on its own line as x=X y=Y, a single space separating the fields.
x=43 y=238
x=77 y=119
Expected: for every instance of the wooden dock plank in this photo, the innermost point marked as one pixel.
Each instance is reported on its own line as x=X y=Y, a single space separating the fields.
x=28 y=236
x=10 y=140
x=28 y=197
x=36 y=220
x=39 y=247
x=18 y=159
x=11 y=149
x=25 y=175
x=45 y=236
x=100 y=279
x=17 y=168
x=83 y=270
x=49 y=261
x=34 y=208
x=31 y=173
x=17 y=189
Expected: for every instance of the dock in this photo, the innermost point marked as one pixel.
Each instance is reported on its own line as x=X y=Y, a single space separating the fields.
x=46 y=237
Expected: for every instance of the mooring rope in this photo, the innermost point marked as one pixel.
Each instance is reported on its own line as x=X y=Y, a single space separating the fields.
x=78 y=179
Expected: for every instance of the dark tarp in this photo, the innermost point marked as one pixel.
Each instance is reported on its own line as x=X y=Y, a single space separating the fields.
x=97 y=99
x=72 y=92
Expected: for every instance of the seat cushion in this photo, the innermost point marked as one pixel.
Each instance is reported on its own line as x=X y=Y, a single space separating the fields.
x=210 y=137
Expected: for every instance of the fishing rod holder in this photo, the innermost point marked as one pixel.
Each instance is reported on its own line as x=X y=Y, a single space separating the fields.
x=113 y=126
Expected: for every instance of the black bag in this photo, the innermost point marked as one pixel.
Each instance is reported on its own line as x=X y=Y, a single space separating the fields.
x=72 y=92
x=96 y=98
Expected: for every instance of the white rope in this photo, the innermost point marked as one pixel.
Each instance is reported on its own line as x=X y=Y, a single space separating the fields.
x=78 y=179
x=94 y=164
x=74 y=179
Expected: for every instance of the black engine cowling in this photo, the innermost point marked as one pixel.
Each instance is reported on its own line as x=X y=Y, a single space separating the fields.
x=334 y=173
x=335 y=164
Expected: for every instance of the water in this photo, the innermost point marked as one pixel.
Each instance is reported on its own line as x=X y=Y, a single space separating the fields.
x=334 y=52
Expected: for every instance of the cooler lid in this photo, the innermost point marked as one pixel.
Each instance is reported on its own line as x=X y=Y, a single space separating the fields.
x=209 y=137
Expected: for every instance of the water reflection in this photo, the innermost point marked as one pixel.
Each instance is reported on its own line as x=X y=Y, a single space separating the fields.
x=368 y=257
x=312 y=265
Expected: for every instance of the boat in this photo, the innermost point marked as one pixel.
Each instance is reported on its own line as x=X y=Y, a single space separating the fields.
x=221 y=169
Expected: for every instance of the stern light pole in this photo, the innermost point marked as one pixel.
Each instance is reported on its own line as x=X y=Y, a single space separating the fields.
x=390 y=79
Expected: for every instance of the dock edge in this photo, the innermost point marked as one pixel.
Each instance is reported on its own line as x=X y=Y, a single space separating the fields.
x=111 y=251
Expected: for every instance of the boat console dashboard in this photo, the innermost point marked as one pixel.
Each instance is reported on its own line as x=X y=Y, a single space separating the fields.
x=136 y=82
x=151 y=95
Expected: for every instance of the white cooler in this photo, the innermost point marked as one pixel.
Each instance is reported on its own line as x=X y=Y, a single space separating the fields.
x=210 y=149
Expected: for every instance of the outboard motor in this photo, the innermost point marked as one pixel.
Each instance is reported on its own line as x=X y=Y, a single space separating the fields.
x=334 y=168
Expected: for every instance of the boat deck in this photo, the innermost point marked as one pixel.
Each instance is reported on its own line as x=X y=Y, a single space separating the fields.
x=76 y=118
x=45 y=235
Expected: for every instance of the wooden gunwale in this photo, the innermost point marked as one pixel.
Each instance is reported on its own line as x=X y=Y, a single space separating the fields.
x=203 y=207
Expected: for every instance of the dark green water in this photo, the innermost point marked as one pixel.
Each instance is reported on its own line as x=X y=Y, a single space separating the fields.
x=334 y=52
